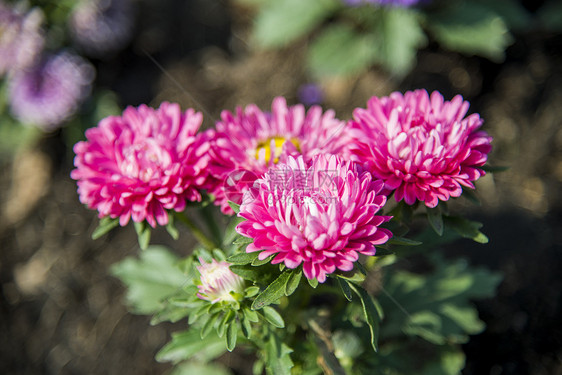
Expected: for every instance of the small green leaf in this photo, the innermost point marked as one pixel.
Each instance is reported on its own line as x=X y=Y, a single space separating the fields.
x=395 y=240
x=194 y=315
x=339 y=50
x=370 y=312
x=150 y=279
x=226 y=319
x=242 y=258
x=277 y=356
x=246 y=326
x=170 y=313
x=281 y=22
x=273 y=292
x=356 y=275
x=435 y=219
x=401 y=35
x=235 y=207
x=466 y=228
x=252 y=291
x=273 y=317
x=230 y=231
x=294 y=281
x=251 y=315
x=262 y=275
x=193 y=367
x=209 y=325
x=472 y=28
x=105 y=225
x=231 y=335
x=260 y=262
x=143 y=234
x=312 y=282
x=187 y=344
x=171 y=228
x=344 y=286
x=242 y=241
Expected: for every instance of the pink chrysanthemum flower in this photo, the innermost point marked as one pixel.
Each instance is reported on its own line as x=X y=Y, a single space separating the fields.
x=219 y=283
x=142 y=163
x=424 y=148
x=247 y=143
x=320 y=215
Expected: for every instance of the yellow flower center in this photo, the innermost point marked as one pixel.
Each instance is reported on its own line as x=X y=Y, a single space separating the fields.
x=272 y=148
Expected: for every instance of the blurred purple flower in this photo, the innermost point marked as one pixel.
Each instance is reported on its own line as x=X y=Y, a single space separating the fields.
x=101 y=27
x=21 y=37
x=397 y=3
x=310 y=94
x=51 y=91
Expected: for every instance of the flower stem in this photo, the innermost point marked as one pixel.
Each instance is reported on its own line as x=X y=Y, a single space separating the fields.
x=197 y=233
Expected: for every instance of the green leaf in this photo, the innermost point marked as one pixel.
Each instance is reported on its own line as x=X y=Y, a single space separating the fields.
x=371 y=314
x=312 y=282
x=396 y=240
x=339 y=50
x=261 y=262
x=251 y=315
x=273 y=317
x=230 y=233
x=242 y=241
x=226 y=319
x=242 y=258
x=231 y=335
x=436 y=306
x=191 y=367
x=150 y=279
x=143 y=234
x=246 y=326
x=356 y=275
x=450 y=362
x=171 y=228
x=294 y=281
x=273 y=292
x=170 y=313
x=466 y=228
x=189 y=345
x=235 y=207
x=262 y=275
x=209 y=325
x=280 y=22
x=344 y=286
x=471 y=28
x=401 y=37
x=105 y=225
x=435 y=219
x=251 y=291
x=277 y=356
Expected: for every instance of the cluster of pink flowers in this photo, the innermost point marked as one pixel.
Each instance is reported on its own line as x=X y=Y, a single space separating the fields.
x=310 y=186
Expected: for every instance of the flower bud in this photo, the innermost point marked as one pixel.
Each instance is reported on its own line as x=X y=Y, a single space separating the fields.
x=219 y=283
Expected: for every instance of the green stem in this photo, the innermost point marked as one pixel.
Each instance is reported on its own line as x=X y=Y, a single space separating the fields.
x=209 y=219
x=197 y=233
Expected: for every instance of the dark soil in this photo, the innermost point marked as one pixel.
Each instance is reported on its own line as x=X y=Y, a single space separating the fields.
x=62 y=313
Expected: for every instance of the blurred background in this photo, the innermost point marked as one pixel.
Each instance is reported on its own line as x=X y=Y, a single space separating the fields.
x=60 y=310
